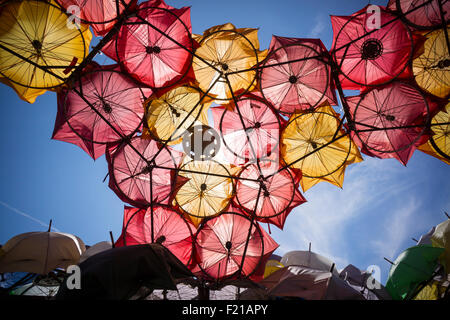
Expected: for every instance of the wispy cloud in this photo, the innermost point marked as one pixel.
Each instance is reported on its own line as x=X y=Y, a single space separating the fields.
x=318 y=28
x=26 y=215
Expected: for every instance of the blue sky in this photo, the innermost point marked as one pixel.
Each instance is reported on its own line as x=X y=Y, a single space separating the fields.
x=381 y=206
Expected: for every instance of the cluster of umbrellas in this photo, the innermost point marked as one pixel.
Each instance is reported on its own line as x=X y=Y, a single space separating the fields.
x=202 y=191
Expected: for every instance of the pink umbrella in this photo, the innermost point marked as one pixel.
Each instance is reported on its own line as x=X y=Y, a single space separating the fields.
x=155 y=45
x=369 y=54
x=422 y=14
x=169 y=229
x=295 y=75
x=250 y=129
x=101 y=14
x=142 y=172
x=390 y=121
x=104 y=106
x=222 y=242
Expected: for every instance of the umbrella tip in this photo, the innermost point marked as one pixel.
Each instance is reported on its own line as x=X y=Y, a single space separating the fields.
x=389 y=261
x=445 y=212
x=50 y=226
x=112 y=238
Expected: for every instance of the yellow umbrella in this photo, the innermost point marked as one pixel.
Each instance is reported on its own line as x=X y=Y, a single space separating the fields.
x=271 y=267
x=432 y=67
x=431 y=291
x=224 y=50
x=441 y=239
x=208 y=190
x=27 y=94
x=169 y=116
x=439 y=144
x=39 y=48
x=307 y=144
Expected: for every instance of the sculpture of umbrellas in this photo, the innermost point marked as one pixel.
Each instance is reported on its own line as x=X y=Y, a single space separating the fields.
x=161 y=225
x=295 y=75
x=170 y=115
x=431 y=69
x=37 y=49
x=224 y=60
x=368 y=55
x=422 y=14
x=143 y=172
x=40 y=252
x=390 y=120
x=314 y=143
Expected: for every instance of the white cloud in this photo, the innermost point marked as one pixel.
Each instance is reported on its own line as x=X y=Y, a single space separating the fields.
x=318 y=28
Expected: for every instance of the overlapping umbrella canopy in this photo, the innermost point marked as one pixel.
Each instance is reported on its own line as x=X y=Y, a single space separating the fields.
x=202 y=182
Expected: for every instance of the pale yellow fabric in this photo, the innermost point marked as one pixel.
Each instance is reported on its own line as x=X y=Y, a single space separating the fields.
x=308 y=131
x=238 y=50
x=441 y=239
x=271 y=267
x=27 y=22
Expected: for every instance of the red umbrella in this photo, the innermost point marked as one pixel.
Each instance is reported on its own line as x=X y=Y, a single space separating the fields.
x=169 y=229
x=390 y=121
x=101 y=14
x=295 y=75
x=422 y=14
x=104 y=106
x=154 y=45
x=369 y=54
x=250 y=129
x=142 y=171
x=222 y=242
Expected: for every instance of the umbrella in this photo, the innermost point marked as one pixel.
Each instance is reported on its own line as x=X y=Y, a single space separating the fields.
x=105 y=106
x=230 y=245
x=441 y=239
x=432 y=67
x=421 y=14
x=38 y=50
x=96 y=248
x=170 y=115
x=100 y=14
x=161 y=225
x=266 y=193
x=250 y=129
x=154 y=45
x=141 y=180
x=390 y=120
x=208 y=190
x=412 y=267
x=224 y=60
x=295 y=75
x=310 y=284
x=439 y=144
x=314 y=143
x=120 y=272
x=308 y=259
x=369 y=55
x=40 y=252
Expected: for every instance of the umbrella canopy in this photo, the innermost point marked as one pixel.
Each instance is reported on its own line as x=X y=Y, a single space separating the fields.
x=390 y=120
x=310 y=284
x=432 y=67
x=161 y=225
x=100 y=14
x=230 y=245
x=315 y=143
x=104 y=106
x=39 y=50
x=309 y=259
x=438 y=145
x=40 y=252
x=412 y=267
x=170 y=115
x=441 y=239
x=149 y=176
x=224 y=60
x=250 y=129
x=118 y=273
x=295 y=74
x=208 y=190
x=154 y=45
x=421 y=14
x=96 y=248
x=369 y=55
